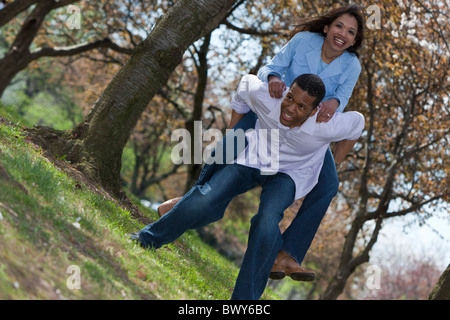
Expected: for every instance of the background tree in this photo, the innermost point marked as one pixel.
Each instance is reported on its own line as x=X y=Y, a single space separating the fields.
x=442 y=289
x=42 y=33
x=402 y=163
x=95 y=146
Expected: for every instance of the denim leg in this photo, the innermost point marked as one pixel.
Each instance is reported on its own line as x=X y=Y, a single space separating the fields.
x=202 y=205
x=265 y=240
x=247 y=122
x=298 y=236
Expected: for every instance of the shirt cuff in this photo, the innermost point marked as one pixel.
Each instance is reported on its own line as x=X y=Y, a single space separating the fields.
x=273 y=74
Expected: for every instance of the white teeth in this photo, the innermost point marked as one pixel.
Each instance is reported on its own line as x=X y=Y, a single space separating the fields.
x=339 y=41
x=287 y=116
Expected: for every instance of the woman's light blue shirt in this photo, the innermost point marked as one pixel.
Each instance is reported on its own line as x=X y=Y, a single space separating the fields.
x=302 y=55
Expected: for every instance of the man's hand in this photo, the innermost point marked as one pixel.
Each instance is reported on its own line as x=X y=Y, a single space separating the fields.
x=276 y=87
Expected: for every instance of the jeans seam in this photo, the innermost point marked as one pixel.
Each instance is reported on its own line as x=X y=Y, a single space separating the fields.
x=260 y=269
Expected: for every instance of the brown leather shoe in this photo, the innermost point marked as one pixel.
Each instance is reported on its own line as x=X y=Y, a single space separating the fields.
x=167 y=206
x=285 y=265
x=300 y=274
x=278 y=272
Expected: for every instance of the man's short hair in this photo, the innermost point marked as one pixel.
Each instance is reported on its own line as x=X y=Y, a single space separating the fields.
x=312 y=84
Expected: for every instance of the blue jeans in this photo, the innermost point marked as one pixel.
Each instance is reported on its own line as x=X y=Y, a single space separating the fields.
x=298 y=236
x=206 y=203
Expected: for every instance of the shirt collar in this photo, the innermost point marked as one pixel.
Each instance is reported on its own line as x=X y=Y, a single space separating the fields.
x=274 y=114
x=309 y=126
x=313 y=59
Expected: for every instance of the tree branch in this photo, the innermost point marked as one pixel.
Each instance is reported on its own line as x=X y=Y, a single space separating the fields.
x=250 y=31
x=364 y=256
x=409 y=153
x=416 y=205
x=12 y=9
x=441 y=32
x=62 y=3
x=80 y=48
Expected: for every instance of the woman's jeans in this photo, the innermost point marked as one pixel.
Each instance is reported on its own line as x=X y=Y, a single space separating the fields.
x=206 y=203
x=298 y=237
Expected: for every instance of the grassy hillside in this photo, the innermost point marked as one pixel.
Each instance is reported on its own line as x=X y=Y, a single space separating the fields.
x=51 y=220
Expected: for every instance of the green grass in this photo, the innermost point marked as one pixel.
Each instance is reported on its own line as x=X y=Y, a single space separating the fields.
x=49 y=221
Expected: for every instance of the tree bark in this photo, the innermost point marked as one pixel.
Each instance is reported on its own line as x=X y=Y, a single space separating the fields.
x=442 y=289
x=95 y=146
x=17 y=56
x=13 y=9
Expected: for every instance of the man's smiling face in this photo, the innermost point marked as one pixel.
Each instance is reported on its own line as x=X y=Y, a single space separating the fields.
x=296 y=107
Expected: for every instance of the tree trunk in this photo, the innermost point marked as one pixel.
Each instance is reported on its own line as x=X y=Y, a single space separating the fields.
x=442 y=289
x=95 y=146
x=347 y=263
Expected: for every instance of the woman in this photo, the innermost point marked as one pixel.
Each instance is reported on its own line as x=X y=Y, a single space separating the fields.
x=326 y=46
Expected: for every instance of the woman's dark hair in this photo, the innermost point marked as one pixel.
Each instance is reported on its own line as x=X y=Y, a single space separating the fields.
x=316 y=24
x=312 y=84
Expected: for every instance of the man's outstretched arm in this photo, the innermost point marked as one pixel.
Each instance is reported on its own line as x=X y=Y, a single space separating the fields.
x=235 y=118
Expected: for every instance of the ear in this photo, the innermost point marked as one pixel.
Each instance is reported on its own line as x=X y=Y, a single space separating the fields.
x=314 y=111
x=325 y=29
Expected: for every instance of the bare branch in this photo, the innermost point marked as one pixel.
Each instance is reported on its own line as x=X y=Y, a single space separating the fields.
x=364 y=256
x=62 y=3
x=410 y=153
x=441 y=32
x=80 y=48
x=12 y=9
x=416 y=206
x=251 y=31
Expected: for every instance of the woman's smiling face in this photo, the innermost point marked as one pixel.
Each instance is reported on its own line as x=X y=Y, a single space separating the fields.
x=341 y=33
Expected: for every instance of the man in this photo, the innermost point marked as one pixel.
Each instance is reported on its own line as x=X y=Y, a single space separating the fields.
x=300 y=144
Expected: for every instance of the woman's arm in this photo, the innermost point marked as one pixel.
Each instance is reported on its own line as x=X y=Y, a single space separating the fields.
x=344 y=90
x=342 y=94
x=282 y=60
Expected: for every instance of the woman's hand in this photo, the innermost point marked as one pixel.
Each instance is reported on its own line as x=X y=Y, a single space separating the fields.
x=276 y=87
x=326 y=110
